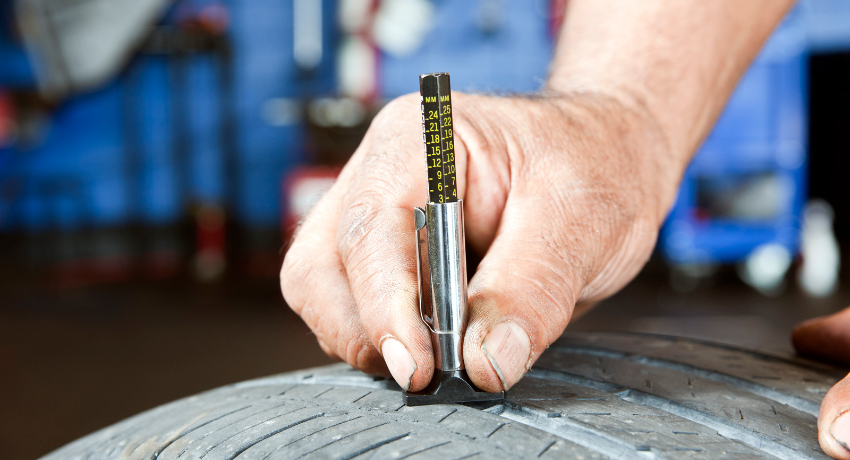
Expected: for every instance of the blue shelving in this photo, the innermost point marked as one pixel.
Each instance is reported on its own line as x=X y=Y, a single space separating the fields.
x=756 y=154
x=92 y=165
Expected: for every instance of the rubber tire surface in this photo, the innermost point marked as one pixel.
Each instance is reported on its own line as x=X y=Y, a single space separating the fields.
x=590 y=396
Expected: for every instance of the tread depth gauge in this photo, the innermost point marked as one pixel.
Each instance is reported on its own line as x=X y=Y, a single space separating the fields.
x=441 y=254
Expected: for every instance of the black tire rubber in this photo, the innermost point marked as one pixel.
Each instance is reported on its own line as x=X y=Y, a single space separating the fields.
x=590 y=396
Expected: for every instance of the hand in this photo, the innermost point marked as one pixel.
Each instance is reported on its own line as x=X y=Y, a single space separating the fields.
x=829 y=338
x=564 y=195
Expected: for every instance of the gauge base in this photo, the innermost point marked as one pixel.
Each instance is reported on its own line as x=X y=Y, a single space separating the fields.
x=450 y=387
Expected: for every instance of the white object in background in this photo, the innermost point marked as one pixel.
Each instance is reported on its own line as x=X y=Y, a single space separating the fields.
x=401 y=25
x=307 y=33
x=306 y=192
x=281 y=111
x=356 y=68
x=354 y=15
x=765 y=268
x=818 y=276
x=345 y=112
x=490 y=16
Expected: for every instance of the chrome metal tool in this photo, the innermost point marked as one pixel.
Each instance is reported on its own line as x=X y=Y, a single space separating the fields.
x=441 y=254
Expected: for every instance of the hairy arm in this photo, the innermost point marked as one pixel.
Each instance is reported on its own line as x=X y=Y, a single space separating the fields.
x=676 y=62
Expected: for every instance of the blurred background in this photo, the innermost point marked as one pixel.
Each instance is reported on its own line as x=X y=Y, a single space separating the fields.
x=156 y=154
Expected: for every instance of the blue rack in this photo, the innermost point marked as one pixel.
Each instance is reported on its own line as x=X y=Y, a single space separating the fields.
x=757 y=147
x=76 y=173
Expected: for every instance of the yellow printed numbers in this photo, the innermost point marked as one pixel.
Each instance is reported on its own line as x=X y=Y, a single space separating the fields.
x=438 y=134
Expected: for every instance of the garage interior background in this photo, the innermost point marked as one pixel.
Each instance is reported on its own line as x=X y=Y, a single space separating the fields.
x=154 y=156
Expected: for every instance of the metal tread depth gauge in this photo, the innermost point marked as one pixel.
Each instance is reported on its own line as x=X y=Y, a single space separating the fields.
x=441 y=254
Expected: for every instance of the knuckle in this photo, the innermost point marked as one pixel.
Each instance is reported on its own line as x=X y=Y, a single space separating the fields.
x=365 y=221
x=295 y=275
x=358 y=352
x=378 y=265
x=356 y=223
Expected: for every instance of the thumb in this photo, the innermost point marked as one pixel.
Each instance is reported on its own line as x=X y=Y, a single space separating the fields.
x=554 y=248
x=834 y=421
x=829 y=338
x=521 y=297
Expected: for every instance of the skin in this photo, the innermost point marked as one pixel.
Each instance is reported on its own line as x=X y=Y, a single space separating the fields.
x=828 y=338
x=564 y=193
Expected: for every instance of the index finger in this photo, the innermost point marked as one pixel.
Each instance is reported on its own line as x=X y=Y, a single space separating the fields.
x=376 y=241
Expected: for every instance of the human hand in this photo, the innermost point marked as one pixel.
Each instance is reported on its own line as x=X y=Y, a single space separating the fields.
x=829 y=338
x=564 y=195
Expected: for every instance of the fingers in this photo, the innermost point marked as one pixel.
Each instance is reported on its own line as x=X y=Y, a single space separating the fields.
x=825 y=338
x=834 y=421
x=376 y=242
x=315 y=286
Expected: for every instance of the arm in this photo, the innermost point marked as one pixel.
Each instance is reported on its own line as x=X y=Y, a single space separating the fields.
x=677 y=62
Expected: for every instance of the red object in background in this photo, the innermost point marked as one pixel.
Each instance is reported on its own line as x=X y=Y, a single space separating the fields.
x=557 y=13
x=7 y=120
x=92 y=271
x=302 y=188
x=213 y=18
x=375 y=96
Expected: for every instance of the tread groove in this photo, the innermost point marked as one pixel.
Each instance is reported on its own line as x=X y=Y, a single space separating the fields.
x=340 y=439
x=497 y=429
x=320 y=394
x=546 y=449
x=358 y=399
x=159 y=451
x=424 y=450
x=375 y=446
x=272 y=433
x=447 y=415
x=221 y=441
x=753 y=439
x=307 y=436
x=746 y=385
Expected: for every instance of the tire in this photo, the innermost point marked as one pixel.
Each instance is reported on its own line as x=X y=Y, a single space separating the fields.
x=590 y=396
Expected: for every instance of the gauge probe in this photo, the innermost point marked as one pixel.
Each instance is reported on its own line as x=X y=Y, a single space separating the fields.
x=441 y=254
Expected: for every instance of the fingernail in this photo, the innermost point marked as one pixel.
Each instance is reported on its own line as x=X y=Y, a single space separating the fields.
x=401 y=364
x=508 y=349
x=840 y=429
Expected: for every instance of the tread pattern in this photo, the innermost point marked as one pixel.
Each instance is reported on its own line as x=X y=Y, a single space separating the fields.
x=590 y=396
